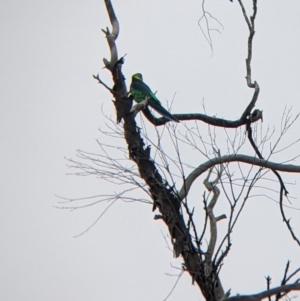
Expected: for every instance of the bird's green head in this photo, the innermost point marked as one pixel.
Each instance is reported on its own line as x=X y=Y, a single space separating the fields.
x=137 y=76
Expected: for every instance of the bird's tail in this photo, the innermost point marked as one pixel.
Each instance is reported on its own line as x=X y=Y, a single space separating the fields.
x=161 y=110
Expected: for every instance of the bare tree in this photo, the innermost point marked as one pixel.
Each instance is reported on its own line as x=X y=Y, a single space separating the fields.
x=237 y=174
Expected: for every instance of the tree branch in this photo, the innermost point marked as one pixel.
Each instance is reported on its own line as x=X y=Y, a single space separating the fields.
x=233 y=158
x=265 y=294
x=111 y=37
x=250 y=40
x=212 y=269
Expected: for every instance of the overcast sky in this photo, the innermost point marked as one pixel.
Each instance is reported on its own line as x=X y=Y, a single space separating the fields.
x=51 y=106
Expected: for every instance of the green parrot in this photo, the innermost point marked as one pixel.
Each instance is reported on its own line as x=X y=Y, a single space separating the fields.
x=139 y=90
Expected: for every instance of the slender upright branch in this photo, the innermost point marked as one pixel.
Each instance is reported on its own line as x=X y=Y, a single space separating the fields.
x=111 y=36
x=250 y=39
x=209 y=264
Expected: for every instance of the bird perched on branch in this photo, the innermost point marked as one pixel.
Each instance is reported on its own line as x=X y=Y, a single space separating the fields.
x=139 y=90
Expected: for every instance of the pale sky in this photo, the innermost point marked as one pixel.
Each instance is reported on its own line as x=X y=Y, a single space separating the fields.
x=51 y=106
